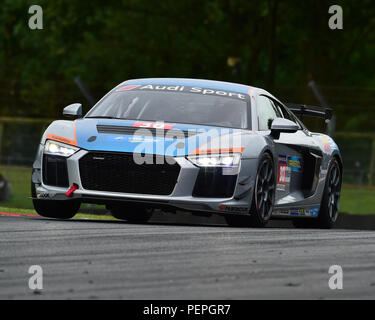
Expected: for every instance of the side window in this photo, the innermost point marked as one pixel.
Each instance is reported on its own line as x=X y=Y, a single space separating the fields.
x=285 y=113
x=288 y=115
x=267 y=112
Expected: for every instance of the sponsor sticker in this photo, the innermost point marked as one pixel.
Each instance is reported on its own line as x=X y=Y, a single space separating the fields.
x=42 y=195
x=283 y=178
x=226 y=208
x=328 y=144
x=295 y=212
x=295 y=164
x=282 y=170
x=283 y=212
x=153 y=125
x=138 y=139
x=312 y=212
x=199 y=90
x=127 y=88
x=46 y=195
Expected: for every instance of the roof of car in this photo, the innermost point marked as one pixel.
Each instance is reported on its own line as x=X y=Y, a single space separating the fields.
x=209 y=84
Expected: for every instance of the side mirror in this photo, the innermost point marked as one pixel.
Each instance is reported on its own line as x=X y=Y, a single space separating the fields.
x=73 y=111
x=282 y=125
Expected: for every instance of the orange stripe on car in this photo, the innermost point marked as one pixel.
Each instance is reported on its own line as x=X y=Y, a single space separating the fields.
x=61 y=139
x=217 y=150
x=75 y=131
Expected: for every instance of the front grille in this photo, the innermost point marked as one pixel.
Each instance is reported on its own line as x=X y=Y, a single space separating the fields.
x=117 y=172
x=55 y=171
x=106 y=129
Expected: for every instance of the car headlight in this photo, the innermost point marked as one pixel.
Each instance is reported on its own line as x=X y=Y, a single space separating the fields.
x=59 y=149
x=216 y=160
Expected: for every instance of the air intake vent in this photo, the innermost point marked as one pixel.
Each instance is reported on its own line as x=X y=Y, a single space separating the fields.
x=55 y=171
x=117 y=172
x=150 y=131
x=211 y=183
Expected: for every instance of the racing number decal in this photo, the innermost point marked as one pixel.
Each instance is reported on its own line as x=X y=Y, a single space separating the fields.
x=287 y=165
x=283 y=178
x=282 y=170
x=153 y=125
x=126 y=88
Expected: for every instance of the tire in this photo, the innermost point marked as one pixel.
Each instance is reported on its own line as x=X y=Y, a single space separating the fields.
x=329 y=206
x=263 y=197
x=131 y=213
x=64 y=209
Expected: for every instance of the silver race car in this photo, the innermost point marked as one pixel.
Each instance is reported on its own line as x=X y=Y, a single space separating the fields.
x=207 y=147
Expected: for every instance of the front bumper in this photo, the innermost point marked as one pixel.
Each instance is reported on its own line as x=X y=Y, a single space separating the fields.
x=181 y=197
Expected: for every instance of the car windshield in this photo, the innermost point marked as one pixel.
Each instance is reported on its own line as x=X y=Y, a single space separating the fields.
x=211 y=109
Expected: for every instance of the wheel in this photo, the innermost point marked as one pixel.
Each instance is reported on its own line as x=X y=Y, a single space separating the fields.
x=131 y=213
x=64 y=209
x=263 y=198
x=329 y=207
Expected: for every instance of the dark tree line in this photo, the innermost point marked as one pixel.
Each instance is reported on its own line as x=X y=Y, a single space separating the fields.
x=279 y=45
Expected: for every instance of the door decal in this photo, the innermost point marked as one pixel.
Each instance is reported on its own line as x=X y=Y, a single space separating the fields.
x=284 y=173
x=295 y=164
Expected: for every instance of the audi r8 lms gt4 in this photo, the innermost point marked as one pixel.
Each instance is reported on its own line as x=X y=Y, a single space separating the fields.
x=202 y=146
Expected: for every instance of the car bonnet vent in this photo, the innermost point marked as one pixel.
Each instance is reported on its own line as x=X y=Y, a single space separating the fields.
x=126 y=130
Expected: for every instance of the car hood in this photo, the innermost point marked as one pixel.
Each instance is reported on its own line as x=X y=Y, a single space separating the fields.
x=115 y=135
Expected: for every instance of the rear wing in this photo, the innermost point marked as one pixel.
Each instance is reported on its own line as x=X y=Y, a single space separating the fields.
x=302 y=109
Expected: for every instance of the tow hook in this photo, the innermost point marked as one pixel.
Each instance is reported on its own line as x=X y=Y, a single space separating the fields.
x=71 y=190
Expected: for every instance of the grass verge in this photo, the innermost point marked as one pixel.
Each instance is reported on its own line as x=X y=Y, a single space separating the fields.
x=354 y=200
x=77 y=216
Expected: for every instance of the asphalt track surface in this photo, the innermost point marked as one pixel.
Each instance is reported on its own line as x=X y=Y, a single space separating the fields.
x=187 y=260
